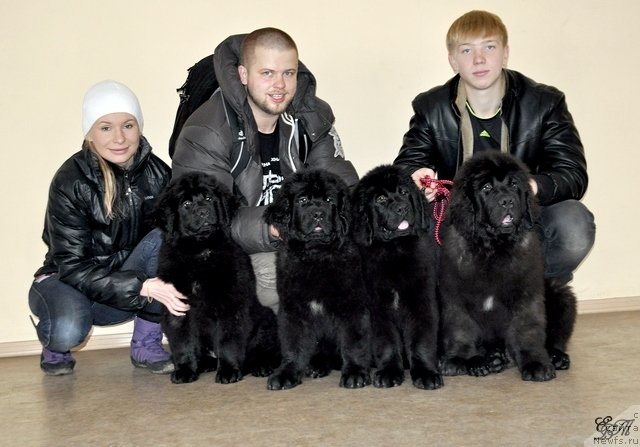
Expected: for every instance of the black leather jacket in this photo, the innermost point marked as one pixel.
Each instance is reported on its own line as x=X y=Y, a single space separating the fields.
x=540 y=129
x=85 y=247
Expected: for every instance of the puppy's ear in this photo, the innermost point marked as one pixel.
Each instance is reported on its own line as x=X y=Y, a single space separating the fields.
x=227 y=206
x=464 y=204
x=344 y=211
x=165 y=212
x=278 y=213
x=361 y=220
x=420 y=207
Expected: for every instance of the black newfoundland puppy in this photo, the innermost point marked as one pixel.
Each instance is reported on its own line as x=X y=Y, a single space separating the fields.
x=200 y=259
x=390 y=223
x=494 y=297
x=323 y=310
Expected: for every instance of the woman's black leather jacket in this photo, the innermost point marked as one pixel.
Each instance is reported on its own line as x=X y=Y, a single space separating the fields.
x=85 y=247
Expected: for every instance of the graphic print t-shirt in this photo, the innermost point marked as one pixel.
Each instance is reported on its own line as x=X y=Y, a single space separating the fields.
x=271 y=172
x=487 y=132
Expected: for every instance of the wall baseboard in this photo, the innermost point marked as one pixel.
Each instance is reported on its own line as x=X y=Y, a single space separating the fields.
x=122 y=340
x=623 y=304
x=94 y=342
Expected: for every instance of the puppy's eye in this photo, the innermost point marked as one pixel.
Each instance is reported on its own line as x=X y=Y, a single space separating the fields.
x=302 y=200
x=186 y=203
x=329 y=200
x=208 y=198
x=487 y=187
x=381 y=199
x=513 y=184
x=403 y=191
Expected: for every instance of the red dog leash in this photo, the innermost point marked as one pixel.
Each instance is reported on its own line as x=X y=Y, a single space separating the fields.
x=440 y=201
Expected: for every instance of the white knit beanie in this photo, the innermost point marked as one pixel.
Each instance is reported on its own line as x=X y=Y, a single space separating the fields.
x=109 y=97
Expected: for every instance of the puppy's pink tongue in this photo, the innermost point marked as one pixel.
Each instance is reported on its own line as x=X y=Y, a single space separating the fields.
x=507 y=219
x=403 y=225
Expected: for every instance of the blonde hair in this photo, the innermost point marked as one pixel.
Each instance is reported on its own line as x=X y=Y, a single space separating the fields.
x=109 y=178
x=476 y=24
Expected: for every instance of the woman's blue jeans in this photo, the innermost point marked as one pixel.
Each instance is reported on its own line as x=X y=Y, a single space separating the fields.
x=66 y=315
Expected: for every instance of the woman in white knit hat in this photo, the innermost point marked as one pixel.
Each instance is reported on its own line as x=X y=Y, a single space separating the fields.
x=100 y=267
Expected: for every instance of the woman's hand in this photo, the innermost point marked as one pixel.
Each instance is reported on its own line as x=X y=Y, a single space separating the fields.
x=534 y=186
x=273 y=231
x=429 y=191
x=164 y=292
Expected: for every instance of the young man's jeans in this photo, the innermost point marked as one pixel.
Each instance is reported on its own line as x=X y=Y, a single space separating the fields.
x=66 y=315
x=264 y=266
x=568 y=233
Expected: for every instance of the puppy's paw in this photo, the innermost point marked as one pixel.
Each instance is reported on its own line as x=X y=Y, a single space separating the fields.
x=355 y=378
x=316 y=372
x=497 y=362
x=426 y=379
x=184 y=375
x=261 y=371
x=559 y=359
x=388 y=377
x=538 y=371
x=478 y=366
x=454 y=366
x=283 y=380
x=228 y=375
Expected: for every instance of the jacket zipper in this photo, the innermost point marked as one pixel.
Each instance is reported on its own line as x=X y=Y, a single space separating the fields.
x=292 y=122
x=130 y=203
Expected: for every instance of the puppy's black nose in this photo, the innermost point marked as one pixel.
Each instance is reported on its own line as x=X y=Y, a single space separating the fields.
x=318 y=215
x=402 y=209
x=506 y=202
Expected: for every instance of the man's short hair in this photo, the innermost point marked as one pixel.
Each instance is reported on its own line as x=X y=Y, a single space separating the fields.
x=476 y=24
x=272 y=38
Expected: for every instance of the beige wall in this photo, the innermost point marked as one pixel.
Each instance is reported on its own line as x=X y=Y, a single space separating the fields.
x=370 y=57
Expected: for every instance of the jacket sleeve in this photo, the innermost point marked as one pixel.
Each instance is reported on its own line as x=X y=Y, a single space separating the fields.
x=417 y=150
x=327 y=153
x=562 y=170
x=193 y=153
x=250 y=231
x=71 y=243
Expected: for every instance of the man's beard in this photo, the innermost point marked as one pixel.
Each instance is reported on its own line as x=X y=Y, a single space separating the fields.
x=268 y=108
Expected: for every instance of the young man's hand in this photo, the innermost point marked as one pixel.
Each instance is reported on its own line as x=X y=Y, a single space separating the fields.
x=429 y=191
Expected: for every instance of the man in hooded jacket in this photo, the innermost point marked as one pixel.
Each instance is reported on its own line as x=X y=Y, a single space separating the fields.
x=273 y=95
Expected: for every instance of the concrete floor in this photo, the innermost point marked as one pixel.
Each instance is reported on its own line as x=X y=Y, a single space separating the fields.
x=107 y=402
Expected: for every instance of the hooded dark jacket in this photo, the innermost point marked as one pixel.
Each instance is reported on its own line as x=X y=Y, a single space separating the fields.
x=85 y=247
x=206 y=141
x=540 y=132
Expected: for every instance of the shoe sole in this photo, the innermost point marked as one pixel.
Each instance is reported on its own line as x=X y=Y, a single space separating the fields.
x=156 y=368
x=58 y=372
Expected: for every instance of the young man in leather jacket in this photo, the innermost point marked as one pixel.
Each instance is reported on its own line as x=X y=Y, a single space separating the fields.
x=485 y=106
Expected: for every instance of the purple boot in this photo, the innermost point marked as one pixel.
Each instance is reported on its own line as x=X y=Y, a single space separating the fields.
x=146 y=348
x=56 y=363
